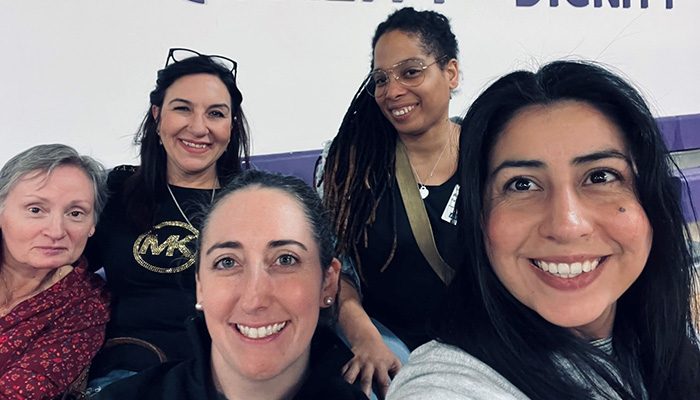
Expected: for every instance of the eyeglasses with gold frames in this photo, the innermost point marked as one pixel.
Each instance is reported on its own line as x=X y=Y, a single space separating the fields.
x=409 y=73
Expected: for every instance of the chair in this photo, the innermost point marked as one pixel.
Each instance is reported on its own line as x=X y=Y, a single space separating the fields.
x=77 y=390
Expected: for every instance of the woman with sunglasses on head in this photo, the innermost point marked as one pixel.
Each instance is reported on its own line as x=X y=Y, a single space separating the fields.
x=582 y=278
x=397 y=126
x=192 y=140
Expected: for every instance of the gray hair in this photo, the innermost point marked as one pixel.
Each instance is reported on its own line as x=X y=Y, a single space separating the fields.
x=47 y=157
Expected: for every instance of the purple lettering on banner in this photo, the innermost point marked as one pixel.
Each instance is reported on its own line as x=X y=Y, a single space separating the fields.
x=584 y=3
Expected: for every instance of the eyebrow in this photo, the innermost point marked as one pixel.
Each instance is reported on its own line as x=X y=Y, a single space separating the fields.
x=272 y=244
x=587 y=158
x=400 y=62
x=39 y=199
x=287 y=242
x=224 y=105
x=601 y=155
x=224 y=245
x=517 y=164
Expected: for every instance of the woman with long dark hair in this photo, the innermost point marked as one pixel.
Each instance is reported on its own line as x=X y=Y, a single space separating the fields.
x=399 y=114
x=193 y=140
x=581 y=277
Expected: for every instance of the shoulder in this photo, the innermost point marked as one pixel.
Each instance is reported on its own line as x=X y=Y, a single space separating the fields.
x=85 y=295
x=437 y=370
x=324 y=381
x=320 y=166
x=122 y=171
x=166 y=381
x=118 y=175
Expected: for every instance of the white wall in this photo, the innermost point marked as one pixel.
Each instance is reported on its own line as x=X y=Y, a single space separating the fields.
x=79 y=71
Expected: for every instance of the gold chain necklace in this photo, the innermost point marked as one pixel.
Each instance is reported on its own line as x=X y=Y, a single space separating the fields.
x=213 y=191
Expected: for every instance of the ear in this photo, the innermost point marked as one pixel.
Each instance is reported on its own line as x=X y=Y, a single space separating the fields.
x=92 y=231
x=330 y=282
x=452 y=71
x=199 y=291
x=155 y=112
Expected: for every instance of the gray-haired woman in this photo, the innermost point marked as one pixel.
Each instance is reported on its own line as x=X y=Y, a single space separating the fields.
x=52 y=311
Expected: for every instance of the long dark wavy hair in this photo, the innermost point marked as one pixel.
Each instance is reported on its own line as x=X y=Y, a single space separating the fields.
x=149 y=182
x=360 y=164
x=654 y=339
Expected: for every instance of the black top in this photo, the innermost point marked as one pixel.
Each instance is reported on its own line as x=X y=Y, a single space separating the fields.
x=150 y=274
x=192 y=379
x=408 y=292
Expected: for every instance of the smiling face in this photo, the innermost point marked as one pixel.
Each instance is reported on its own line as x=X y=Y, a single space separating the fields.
x=261 y=285
x=194 y=126
x=46 y=219
x=414 y=110
x=565 y=232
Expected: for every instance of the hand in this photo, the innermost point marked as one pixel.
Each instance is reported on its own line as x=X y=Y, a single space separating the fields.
x=373 y=362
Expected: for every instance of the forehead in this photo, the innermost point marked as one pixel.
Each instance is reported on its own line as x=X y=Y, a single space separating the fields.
x=65 y=181
x=205 y=87
x=562 y=130
x=258 y=213
x=396 y=46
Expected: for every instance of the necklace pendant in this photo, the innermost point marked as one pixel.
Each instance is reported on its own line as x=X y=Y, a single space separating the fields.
x=423 y=192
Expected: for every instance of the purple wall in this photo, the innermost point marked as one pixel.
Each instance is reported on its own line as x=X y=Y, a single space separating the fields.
x=681 y=132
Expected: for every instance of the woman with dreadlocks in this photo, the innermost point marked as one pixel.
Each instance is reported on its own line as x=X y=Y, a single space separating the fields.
x=396 y=150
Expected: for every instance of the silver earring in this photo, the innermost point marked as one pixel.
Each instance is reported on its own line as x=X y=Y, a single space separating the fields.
x=328 y=300
x=198 y=307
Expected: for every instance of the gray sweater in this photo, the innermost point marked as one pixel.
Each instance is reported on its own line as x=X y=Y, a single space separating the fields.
x=441 y=371
x=445 y=372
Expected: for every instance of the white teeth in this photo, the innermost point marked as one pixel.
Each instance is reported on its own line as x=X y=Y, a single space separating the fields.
x=586 y=266
x=260 y=332
x=194 y=145
x=564 y=270
x=576 y=268
x=402 y=111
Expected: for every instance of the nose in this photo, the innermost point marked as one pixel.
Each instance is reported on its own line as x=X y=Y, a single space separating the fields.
x=566 y=217
x=55 y=227
x=198 y=124
x=256 y=292
x=394 y=88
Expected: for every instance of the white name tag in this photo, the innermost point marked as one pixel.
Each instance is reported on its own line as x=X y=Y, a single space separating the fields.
x=449 y=214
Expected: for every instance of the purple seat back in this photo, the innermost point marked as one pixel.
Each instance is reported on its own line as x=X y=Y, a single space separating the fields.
x=298 y=163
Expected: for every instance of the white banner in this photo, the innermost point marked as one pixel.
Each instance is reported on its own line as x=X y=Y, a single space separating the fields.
x=79 y=71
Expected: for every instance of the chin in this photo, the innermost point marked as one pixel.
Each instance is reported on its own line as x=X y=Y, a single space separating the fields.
x=261 y=372
x=581 y=321
x=44 y=265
